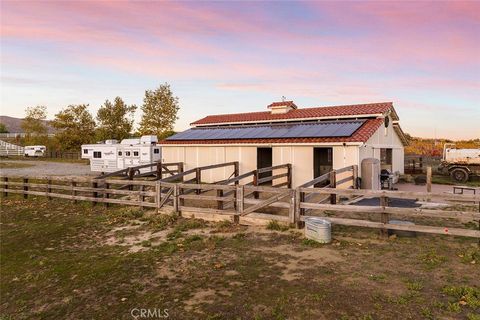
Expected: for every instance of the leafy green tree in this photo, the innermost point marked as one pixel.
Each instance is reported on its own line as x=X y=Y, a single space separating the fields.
x=160 y=108
x=3 y=128
x=34 y=122
x=115 y=120
x=75 y=127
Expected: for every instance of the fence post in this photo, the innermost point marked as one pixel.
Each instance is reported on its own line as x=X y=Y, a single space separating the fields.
x=333 y=184
x=176 y=199
x=236 y=170
x=219 y=202
x=355 y=176
x=106 y=195
x=5 y=186
x=141 y=196
x=289 y=175
x=429 y=179
x=240 y=201
x=158 y=195
x=385 y=215
x=74 y=193
x=180 y=168
x=25 y=188
x=130 y=174
x=198 y=178
x=95 y=194
x=299 y=198
x=291 y=209
x=159 y=171
x=255 y=183
x=49 y=188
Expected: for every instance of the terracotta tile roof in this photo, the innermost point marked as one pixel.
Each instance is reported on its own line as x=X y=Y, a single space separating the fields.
x=304 y=113
x=283 y=103
x=361 y=135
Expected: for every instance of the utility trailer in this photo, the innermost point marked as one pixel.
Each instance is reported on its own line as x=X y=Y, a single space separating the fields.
x=112 y=156
x=460 y=164
x=34 y=151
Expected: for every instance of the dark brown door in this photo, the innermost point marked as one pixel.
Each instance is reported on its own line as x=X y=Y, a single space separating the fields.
x=322 y=162
x=264 y=160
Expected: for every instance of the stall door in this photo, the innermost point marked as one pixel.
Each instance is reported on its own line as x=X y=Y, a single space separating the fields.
x=322 y=162
x=264 y=159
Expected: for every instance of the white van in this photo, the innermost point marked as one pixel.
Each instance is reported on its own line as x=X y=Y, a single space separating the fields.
x=34 y=151
x=113 y=156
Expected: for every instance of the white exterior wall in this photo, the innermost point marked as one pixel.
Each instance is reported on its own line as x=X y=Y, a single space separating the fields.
x=198 y=156
x=301 y=158
x=384 y=139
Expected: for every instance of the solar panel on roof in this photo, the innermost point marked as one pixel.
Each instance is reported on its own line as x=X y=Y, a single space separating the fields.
x=297 y=130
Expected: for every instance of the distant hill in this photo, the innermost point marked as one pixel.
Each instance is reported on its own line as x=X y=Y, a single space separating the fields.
x=14 y=125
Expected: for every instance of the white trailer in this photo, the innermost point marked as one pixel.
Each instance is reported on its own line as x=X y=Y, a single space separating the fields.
x=112 y=156
x=460 y=164
x=34 y=151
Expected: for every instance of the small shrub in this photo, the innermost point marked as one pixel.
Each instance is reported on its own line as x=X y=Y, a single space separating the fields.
x=274 y=225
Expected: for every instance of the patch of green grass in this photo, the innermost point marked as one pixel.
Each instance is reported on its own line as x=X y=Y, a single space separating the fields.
x=146 y=243
x=472 y=316
x=470 y=255
x=427 y=313
x=124 y=215
x=413 y=285
x=311 y=243
x=464 y=295
x=187 y=224
x=432 y=259
x=377 y=277
x=274 y=225
x=161 y=221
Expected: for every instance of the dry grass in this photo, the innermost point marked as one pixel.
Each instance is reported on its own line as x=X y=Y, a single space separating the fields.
x=61 y=260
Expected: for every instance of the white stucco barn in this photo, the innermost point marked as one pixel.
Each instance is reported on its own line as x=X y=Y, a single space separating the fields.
x=313 y=140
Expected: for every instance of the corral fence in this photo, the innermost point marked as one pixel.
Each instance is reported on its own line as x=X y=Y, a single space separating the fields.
x=56 y=154
x=417 y=164
x=241 y=201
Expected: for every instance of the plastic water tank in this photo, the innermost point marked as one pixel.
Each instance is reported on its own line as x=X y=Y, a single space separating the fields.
x=371 y=174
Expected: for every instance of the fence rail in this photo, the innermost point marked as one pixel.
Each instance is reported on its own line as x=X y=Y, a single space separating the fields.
x=244 y=201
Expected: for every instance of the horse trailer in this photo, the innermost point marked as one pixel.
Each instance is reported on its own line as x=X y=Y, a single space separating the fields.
x=112 y=156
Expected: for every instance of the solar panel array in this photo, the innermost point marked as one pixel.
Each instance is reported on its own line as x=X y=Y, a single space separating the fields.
x=298 y=130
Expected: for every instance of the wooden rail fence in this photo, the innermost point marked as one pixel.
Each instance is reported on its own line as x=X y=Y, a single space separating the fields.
x=229 y=198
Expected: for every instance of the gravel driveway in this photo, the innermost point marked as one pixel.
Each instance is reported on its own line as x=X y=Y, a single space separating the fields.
x=50 y=168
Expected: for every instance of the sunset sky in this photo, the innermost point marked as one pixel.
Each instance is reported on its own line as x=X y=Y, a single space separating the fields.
x=226 y=57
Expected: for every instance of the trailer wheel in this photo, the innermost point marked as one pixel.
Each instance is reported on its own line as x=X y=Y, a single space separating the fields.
x=459 y=175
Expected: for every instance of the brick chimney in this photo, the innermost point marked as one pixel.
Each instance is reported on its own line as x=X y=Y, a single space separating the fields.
x=281 y=107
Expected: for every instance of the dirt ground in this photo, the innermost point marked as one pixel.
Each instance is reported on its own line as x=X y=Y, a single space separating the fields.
x=43 y=167
x=61 y=260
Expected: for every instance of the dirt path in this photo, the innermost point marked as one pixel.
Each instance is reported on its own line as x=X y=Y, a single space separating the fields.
x=46 y=168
